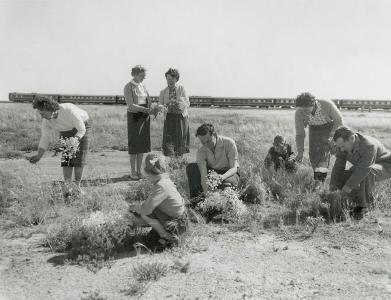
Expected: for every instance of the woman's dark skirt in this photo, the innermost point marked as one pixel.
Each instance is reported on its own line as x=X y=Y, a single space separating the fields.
x=176 y=135
x=80 y=159
x=139 y=139
x=319 y=148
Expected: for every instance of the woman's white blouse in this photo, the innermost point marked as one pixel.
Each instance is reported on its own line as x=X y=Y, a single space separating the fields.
x=69 y=116
x=141 y=92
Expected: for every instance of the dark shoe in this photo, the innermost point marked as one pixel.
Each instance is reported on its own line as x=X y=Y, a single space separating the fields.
x=359 y=212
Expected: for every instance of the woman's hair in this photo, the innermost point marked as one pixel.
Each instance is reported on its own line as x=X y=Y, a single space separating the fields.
x=204 y=129
x=305 y=100
x=45 y=103
x=173 y=73
x=137 y=70
x=155 y=164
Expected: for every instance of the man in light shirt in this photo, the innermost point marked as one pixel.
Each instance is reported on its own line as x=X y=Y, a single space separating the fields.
x=218 y=153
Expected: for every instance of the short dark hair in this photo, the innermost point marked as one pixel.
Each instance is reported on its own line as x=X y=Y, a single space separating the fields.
x=278 y=139
x=305 y=99
x=173 y=73
x=137 y=70
x=343 y=132
x=45 y=103
x=205 y=129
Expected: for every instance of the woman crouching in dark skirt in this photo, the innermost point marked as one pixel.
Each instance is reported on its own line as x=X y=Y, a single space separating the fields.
x=176 y=134
x=138 y=102
x=69 y=121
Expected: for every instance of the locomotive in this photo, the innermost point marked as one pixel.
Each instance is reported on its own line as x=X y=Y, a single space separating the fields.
x=205 y=101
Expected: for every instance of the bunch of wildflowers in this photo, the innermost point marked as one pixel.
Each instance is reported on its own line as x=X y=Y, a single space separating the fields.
x=225 y=202
x=213 y=180
x=68 y=147
x=98 y=218
x=157 y=108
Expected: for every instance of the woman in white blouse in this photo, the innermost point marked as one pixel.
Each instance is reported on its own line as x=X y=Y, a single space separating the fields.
x=69 y=121
x=138 y=102
x=176 y=134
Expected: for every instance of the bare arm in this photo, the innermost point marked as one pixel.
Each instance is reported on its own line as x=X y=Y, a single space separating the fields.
x=231 y=171
x=300 y=131
x=233 y=157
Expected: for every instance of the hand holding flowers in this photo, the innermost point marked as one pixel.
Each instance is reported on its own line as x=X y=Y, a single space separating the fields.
x=68 y=147
x=157 y=108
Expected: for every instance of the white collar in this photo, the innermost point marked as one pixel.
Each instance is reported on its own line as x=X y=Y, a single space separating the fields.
x=135 y=83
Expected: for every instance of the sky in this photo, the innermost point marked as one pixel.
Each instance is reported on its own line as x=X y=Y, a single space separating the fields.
x=230 y=48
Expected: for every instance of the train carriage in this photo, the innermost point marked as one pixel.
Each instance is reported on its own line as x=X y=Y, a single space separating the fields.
x=87 y=99
x=284 y=102
x=21 y=97
x=200 y=101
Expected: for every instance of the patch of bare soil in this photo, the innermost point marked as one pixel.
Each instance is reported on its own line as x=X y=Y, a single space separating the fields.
x=342 y=261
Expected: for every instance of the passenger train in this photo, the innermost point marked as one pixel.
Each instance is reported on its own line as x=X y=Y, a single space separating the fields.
x=205 y=101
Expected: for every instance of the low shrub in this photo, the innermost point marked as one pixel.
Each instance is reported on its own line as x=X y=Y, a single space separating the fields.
x=143 y=272
x=96 y=235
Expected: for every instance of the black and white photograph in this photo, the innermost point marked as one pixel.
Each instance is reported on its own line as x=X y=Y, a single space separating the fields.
x=204 y=149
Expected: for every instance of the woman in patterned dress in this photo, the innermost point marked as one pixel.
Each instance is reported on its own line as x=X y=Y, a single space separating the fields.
x=138 y=102
x=176 y=135
x=323 y=118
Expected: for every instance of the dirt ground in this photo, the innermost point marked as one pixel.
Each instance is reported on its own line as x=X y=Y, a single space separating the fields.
x=350 y=260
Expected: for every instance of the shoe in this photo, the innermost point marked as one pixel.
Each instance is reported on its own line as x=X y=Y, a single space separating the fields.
x=359 y=212
x=140 y=176
x=134 y=177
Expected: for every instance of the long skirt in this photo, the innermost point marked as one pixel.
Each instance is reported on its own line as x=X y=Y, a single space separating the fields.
x=80 y=159
x=139 y=139
x=319 y=148
x=176 y=135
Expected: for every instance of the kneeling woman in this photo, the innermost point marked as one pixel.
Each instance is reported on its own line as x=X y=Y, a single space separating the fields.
x=69 y=121
x=164 y=210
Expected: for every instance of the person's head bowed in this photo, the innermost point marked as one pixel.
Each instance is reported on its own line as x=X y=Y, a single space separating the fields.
x=172 y=76
x=207 y=135
x=344 y=138
x=155 y=164
x=138 y=73
x=46 y=106
x=305 y=100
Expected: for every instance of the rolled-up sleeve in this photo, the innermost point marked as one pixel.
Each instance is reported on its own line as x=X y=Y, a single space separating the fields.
x=158 y=195
x=233 y=155
x=128 y=96
x=363 y=167
x=300 y=131
x=45 y=135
